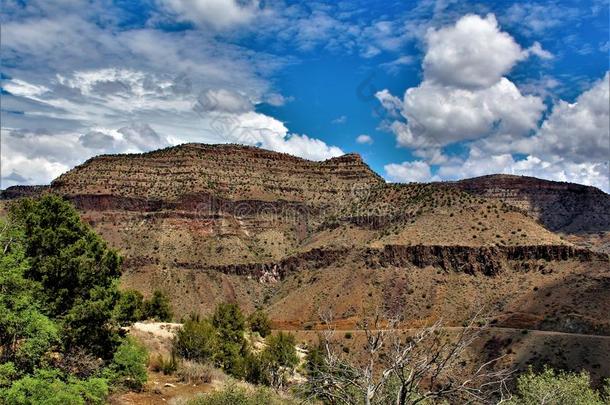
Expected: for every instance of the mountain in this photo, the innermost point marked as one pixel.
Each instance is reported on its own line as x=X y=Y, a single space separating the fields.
x=209 y=223
x=560 y=206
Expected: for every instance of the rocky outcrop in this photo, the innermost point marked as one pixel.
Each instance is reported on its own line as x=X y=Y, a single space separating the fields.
x=559 y=206
x=22 y=191
x=232 y=172
x=487 y=261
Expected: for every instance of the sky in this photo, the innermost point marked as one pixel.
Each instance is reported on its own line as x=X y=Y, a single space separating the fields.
x=424 y=90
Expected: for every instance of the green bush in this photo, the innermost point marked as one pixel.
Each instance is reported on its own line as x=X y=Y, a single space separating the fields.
x=76 y=270
x=158 y=307
x=229 y=321
x=66 y=256
x=232 y=348
x=128 y=366
x=234 y=395
x=129 y=307
x=26 y=334
x=278 y=359
x=259 y=322
x=47 y=387
x=556 y=388
x=196 y=340
x=281 y=350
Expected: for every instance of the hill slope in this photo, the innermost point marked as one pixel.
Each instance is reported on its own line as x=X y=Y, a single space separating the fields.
x=210 y=223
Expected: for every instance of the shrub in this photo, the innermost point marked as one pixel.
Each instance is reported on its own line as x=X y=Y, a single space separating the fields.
x=76 y=269
x=158 y=307
x=167 y=366
x=67 y=257
x=234 y=395
x=232 y=348
x=259 y=322
x=275 y=361
x=196 y=340
x=561 y=388
x=46 y=387
x=128 y=366
x=193 y=372
x=229 y=321
x=281 y=350
x=130 y=307
x=21 y=319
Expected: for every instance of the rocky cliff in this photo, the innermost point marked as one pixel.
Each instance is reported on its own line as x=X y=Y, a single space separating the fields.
x=560 y=206
x=211 y=223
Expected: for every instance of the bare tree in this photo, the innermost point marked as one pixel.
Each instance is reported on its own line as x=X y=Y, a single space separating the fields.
x=403 y=366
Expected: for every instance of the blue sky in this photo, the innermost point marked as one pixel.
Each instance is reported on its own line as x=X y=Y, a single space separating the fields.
x=423 y=90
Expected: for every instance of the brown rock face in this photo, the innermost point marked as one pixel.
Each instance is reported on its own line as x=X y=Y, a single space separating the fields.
x=210 y=223
x=564 y=207
x=227 y=171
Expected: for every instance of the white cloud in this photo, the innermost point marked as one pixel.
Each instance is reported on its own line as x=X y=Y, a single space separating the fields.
x=473 y=53
x=364 y=139
x=391 y=103
x=465 y=96
x=579 y=131
x=536 y=49
x=440 y=115
x=219 y=14
x=340 y=120
x=407 y=172
x=223 y=100
x=481 y=163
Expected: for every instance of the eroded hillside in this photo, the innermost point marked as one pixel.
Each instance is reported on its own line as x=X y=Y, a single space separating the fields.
x=210 y=223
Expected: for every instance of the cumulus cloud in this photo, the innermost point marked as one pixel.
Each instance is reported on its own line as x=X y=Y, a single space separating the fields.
x=579 y=130
x=364 y=139
x=407 y=172
x=442 y=115
x=464 y=94
x=473 y=53
x=466 y=99
x=479 y=163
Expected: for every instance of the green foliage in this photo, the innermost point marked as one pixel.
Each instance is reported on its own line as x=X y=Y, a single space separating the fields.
x=158 y=307
x=314 y=362
x=196 y=340
x=556 y=388
x=128 y=366
x=58 y=290
x=47 y=387
x=129 y=307
x=259 y=322
x=232 y=347
x=272 y=366
x=89 y=323
x=8 y=373
x=229 y=321
x=234 y=395
x=78 y=273
x=66 y=256
x=25 y=333
x=281 y=350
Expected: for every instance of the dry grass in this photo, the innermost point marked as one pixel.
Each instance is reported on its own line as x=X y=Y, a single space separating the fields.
x=192 y=372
